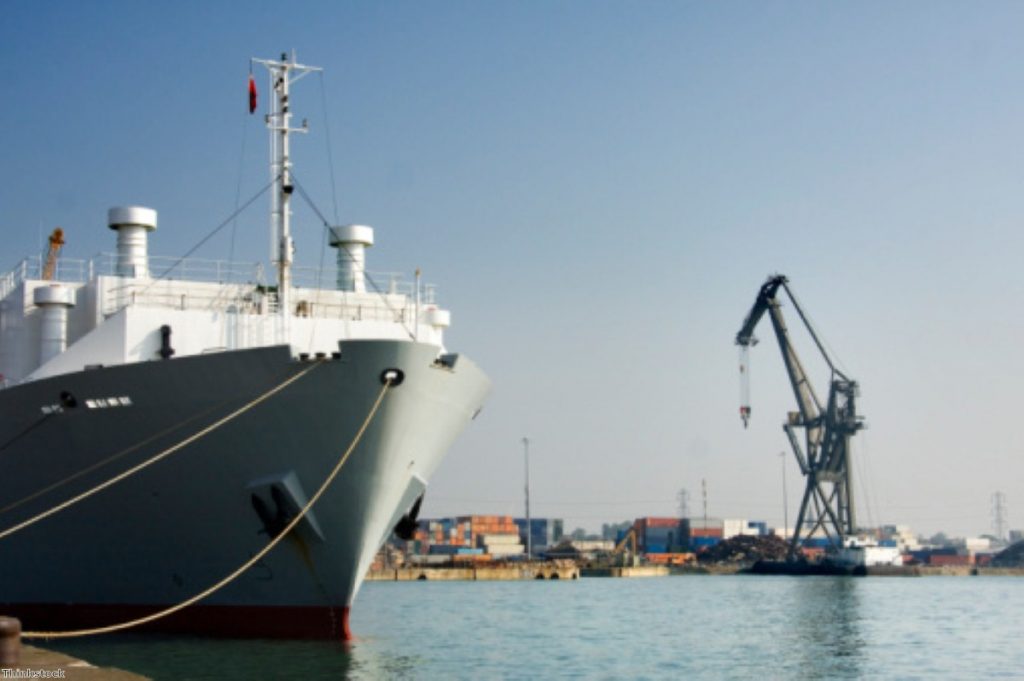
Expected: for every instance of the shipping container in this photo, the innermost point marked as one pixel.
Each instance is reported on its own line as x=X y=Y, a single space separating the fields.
x=506 y=549
x=704 y=542
x=702 y=524
x=430 y=560
x=945 y=551
x=817 y=542
x=706 y=532
x=670 y=558
x=940 y=560
x=491 y=539
x=656 y=522
x=666 y=539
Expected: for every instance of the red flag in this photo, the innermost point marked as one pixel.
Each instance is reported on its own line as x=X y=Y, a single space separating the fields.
x=252 y=94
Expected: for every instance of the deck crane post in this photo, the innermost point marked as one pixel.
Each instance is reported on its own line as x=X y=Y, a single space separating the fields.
x=55 y=243
x=824 y=458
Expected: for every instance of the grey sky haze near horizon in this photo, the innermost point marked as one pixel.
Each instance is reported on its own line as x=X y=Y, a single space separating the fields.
x=599 y=189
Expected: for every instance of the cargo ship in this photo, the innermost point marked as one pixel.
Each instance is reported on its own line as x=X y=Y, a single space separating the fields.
x=239 y=396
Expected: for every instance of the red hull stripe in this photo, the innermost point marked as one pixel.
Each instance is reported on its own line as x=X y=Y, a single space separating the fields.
x=234 y=621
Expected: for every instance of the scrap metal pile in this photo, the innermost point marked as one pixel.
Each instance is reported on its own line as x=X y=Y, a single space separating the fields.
x=745 y=549
x=1012 y=556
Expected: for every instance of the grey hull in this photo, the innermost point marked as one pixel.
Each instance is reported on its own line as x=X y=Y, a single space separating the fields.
x=180 y=525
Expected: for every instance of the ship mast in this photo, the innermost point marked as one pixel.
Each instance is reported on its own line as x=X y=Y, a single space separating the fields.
x=282 y=74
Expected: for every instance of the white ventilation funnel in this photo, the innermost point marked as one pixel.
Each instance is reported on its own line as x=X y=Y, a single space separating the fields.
x=133 y=224
x=352 y=242
x=53 y=302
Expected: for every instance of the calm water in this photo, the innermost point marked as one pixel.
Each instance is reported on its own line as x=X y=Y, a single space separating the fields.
x=738 y=627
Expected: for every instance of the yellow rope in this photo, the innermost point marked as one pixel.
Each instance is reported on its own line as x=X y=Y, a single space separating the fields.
x=245 y=566
x=167 y=452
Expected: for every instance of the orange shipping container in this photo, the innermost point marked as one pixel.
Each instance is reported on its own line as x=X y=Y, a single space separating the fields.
x=706 y=532
x=661 y=522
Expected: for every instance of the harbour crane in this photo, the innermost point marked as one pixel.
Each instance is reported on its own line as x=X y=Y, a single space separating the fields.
x=625 y=553
x=52 y=252
x=824 y=458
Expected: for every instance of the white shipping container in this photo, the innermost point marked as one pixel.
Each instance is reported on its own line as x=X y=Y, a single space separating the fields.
x=499 y=539
x=735 y=527
x=499 y=550
x=709 y=524
x=432 y=559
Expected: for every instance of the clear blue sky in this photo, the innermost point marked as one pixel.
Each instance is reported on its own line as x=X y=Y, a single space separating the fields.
x=599 y=188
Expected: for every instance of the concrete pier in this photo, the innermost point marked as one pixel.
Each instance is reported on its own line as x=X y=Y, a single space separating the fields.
x=637 y=571
x=20 y=661
x=539 y=571
x=43 y=663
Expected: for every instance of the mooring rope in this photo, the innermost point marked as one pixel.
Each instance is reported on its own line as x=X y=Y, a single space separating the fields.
x=245 y=566
x=162 y=455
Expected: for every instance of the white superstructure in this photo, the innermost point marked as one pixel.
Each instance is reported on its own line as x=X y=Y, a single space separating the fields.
x=111 y=318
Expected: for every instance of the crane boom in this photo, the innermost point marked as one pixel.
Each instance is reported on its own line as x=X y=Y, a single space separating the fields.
x=746 y=337
x=824 y=457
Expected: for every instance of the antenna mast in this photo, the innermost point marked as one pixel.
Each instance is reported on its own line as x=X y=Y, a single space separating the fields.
x=282 y=74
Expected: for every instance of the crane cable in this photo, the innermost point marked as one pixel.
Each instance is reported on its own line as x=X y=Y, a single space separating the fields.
x=245 y=566
x=162 y=455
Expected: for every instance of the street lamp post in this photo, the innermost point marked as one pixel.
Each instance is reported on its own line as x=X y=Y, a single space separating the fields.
x=529 y=528
x=785 y=498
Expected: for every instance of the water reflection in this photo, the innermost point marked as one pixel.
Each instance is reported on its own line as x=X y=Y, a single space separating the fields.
x=369 y=661
x=827 y=624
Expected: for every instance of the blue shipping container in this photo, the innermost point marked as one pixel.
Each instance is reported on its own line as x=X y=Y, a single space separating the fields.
x=817 y=542
x=704 y=542
x=443 y=549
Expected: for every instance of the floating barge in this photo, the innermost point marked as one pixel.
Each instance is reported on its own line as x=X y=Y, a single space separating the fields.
x=804 y=569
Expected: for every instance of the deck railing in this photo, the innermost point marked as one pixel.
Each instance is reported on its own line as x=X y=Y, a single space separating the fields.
x=243 y=285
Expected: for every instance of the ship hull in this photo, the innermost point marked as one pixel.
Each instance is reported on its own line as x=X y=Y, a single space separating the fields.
x=185 y=522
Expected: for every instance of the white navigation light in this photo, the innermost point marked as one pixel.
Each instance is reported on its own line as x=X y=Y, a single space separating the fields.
x=133 y=224
x=352 y=242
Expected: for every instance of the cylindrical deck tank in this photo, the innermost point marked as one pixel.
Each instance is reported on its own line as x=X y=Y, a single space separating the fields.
x=438 y=318
x=133 y=224
x=53 y=302
x=352 y=242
